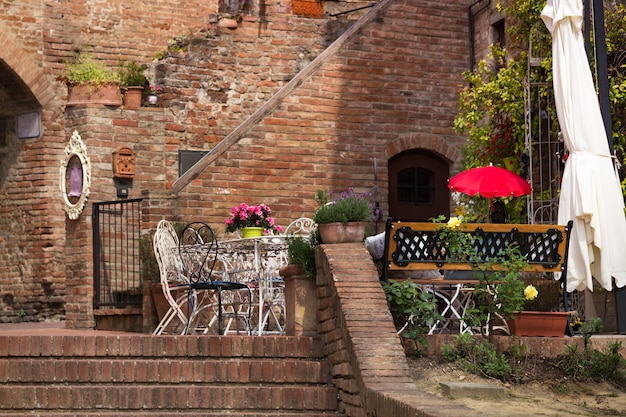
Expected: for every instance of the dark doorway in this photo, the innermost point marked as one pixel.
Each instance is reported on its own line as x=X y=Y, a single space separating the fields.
x=418 y=186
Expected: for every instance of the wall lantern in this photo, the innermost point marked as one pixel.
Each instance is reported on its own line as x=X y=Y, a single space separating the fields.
x=29 y=125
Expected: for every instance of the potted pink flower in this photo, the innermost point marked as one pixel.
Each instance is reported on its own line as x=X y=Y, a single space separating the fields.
x=252 y=220
x=153 y=94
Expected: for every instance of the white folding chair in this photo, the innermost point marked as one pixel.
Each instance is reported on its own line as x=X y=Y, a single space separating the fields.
x=174 y=286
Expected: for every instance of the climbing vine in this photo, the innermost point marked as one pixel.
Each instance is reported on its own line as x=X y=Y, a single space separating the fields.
x=491 y=106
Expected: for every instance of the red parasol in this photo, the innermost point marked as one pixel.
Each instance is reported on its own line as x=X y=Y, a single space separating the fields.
x=489 y=182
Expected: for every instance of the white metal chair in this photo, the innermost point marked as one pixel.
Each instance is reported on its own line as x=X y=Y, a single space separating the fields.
x=302 y=226
x=175 y=289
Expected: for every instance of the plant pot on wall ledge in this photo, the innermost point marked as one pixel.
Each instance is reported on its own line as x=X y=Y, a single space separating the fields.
x=300 y=302
x=342 y=232
x=539 y=323
x=106 y=94
x=132 y=97
x=227 y=22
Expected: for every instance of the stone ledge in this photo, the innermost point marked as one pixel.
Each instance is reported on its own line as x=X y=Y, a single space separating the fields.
x=471 y=389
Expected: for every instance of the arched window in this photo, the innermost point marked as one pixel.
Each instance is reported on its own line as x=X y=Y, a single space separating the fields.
x=418 y=186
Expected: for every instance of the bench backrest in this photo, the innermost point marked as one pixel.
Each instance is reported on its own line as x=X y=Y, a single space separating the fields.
x=411 y=246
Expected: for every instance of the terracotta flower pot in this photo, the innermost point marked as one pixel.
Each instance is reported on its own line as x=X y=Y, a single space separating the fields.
x=226 y=22
x=132 y=97
x=342 y=232
x=107 y=94
x=539 y=323
x=300 y=302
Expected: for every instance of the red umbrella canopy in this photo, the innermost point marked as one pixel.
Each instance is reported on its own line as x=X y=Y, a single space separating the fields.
x=489 y=182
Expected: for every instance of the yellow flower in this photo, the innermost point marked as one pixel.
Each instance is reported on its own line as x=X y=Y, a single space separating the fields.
x=454 y=222
x=530 y=292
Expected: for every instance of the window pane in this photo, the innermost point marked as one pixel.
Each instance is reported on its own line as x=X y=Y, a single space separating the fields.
x=415 y=186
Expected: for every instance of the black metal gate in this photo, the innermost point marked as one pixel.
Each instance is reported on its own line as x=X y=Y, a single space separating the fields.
x=116 y=263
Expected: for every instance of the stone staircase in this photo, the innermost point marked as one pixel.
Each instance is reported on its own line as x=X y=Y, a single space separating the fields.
x=141 y=375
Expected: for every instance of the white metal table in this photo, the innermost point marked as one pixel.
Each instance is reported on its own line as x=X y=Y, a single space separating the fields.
x=255 y=261
x=456 y=296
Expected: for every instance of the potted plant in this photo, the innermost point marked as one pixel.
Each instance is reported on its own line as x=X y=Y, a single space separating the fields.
x=153 y=94
x=229 y=21
x=343 y=218
x=300 y=288
x=132 y=80
x=539 y=315
x=253 y=221
x=90 y=81
x=151 y=279
x=301 y=253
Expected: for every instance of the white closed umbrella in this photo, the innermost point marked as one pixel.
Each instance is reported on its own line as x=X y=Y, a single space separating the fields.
x=591 y=195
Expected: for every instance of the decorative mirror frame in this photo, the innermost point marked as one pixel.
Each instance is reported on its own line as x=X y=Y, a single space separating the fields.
x=75 y=148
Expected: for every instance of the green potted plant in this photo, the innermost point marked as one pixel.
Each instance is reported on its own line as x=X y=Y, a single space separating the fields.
x=90 y=81
x=539 y=315
x=133 y=81
x=301 y=252
x=151 y=279
x=342 y=218
x=300 y=287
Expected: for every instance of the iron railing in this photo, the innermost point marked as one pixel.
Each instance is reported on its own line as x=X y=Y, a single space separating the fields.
x=116 y=261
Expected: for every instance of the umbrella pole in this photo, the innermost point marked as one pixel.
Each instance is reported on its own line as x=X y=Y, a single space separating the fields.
x=605 y=109
x=620 y=307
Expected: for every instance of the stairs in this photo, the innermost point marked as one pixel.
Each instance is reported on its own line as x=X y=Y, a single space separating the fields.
x=158 y=376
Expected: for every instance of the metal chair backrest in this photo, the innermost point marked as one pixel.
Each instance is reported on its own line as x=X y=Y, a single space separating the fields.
x=302 y=226
x=198 y=250
x=165 y=243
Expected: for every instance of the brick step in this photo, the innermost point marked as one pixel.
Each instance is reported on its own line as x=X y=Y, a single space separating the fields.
x=148 y=346
x=159 y=413
x=169 y=371
x=232 y=397
x=141 y=375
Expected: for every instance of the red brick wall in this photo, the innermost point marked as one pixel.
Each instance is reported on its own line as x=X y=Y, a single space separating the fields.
x=392 y=88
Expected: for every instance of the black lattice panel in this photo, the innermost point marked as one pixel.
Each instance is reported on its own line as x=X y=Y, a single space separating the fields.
x=541 y=248
x=418 y=246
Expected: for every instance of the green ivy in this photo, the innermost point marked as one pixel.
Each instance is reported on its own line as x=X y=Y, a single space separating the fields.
x=413 y=311
x=527 y=27
x=492 y=101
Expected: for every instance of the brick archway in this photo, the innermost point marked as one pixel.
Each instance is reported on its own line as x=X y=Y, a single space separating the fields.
x=429 y=143
x=17 y=63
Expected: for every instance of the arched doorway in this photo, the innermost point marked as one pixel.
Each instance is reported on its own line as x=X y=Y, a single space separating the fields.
x=418 y=186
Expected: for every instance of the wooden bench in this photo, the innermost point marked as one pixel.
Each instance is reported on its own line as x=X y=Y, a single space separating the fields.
x=416 y=246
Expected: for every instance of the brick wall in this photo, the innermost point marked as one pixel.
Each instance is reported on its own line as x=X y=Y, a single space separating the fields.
x=358 y=332
x=391 y=88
